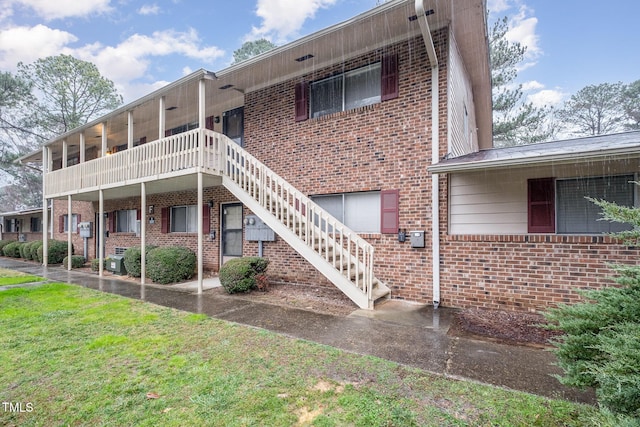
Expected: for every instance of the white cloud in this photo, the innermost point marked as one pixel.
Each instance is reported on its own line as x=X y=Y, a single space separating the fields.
x=282 y=19
x=522 y=29
x=186 y=71
x=498 y=6
x=149 y=9
x=547 y=97
x=532 y=85
x=50 y=10
x=27 y=44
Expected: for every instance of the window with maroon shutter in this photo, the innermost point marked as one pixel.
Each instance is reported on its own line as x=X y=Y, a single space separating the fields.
x=165 y=220
x=389 y=77
x=302 y=101
x=112 y=221
x=541 y=210
x=61 y=221
x=206 y=219
x=390 y=212
x=209 y=122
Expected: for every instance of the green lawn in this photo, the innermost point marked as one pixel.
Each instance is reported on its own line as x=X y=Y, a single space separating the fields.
x=11 y=277
x=74 y=356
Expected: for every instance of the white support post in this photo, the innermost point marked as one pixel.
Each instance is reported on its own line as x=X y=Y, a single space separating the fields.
x=82 y=147
x=45 y=214
x=200 y=236
x=69 y=228
x=161 y=117
x=101 y=234
x=65 y=153
x=130 y=129
x=143 y=232
x=104 y=139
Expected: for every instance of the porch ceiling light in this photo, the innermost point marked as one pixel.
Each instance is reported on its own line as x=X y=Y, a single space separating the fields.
x=172 y=108
x=225 y=87
x=304 y=58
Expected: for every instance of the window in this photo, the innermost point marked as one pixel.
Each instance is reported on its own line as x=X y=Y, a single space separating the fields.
x=126 y=221
x=36 y=224
x=184 y=219
x=358 y=211
x=11 y=225
x=346 y=91
x=64 y=223
x=579 y=215
x=560 y=205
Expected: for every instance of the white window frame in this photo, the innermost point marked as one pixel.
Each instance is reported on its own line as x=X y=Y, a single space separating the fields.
x=130 y=225
x=344 y=78
x=74 y=223
x=350 y=218
x=190 y=212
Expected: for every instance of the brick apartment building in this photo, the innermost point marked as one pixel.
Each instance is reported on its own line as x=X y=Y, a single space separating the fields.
x=360 y=147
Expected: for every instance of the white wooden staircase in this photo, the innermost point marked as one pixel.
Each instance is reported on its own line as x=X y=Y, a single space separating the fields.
x=334 y=250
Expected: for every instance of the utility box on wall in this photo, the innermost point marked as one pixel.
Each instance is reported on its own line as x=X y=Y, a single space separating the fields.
x=256 y=230
x=417 y=239
x=86 y=229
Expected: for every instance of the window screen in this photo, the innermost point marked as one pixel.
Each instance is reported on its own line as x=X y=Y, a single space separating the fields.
x=126 y=221
x=184 y=219
x=576 y=214
x=358 y=211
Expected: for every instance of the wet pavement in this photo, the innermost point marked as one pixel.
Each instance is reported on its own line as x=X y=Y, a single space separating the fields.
x=413 y=335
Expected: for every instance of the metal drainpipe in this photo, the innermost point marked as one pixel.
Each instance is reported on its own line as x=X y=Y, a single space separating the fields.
x=435 y=149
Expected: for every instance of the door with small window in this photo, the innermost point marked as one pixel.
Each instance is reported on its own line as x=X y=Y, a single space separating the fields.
x=231 y=231
x=233 y=125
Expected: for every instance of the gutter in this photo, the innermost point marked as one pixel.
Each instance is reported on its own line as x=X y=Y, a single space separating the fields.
x=435 y=149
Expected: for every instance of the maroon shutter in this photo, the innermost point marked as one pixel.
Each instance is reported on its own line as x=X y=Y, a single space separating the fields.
x=389 y=80
x=143 y=140
x=61 y=224
x=209 y=123
x=541 y=200
x=302 y=101
x=167 y=132
x=390 y=212
x=112 y=221
x=206 y=219
x=138 y=214
x=165 y=220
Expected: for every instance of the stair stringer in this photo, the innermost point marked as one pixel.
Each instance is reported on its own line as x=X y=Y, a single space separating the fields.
x=359 y=297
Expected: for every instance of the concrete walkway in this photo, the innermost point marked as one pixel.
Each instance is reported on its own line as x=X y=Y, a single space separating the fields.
x=410 y=334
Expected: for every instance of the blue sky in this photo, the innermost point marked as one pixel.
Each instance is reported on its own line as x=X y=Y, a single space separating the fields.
x=143 y=45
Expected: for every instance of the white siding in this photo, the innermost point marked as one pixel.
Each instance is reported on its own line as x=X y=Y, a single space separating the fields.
x=495 y=202
x=463 y=137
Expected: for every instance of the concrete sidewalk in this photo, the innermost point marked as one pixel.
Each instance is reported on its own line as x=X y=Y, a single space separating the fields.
x=410 y=334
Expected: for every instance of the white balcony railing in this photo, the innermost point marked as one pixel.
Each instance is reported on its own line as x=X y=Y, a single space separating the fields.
x=154 y=160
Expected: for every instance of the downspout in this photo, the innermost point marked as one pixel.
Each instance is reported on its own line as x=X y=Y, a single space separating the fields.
x=435 y=149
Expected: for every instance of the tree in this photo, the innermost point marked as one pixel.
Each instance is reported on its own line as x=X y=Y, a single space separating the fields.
x=69 y=91
x=594 y=110
x=251 y=49
x=600 y=347
x=631 y=105
x=515 y=122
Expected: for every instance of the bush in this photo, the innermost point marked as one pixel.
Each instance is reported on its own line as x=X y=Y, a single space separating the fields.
x=171 y=265
x=12 y=249
x=95 y=264
x=57 y=252
x=239 y=274
x=77 y=261
x=33 y=249
x=133 y=260
x=600 y=347
x=4 y=243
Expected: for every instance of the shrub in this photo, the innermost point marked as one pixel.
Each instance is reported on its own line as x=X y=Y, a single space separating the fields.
x=171 y=264
x=57 y=252
x=600 y=347
x=77 y=261
x=33 y=249
x=12 y=249
x=4 y=243
x=23 y=249
x=239 y=274
x=133 y=260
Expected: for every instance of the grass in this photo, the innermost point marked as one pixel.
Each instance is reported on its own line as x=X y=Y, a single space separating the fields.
x=81 y=357
x=11 y=277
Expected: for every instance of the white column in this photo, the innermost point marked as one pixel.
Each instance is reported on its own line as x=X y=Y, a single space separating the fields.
x=82 y=147
x=49 y=159
x=101 y=234
x=143 y=232
x=161 y=117
x=45 y=213
x=69 y=229
x=65 y=153
x=104 y=139
x=130 y=129
x=200 y=236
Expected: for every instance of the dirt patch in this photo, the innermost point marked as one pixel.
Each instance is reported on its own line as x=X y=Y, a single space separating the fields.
x=313 y=298
x=505 y=327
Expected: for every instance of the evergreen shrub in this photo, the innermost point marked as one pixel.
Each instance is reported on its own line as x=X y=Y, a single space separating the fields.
x=171 y=264
x=239 y=274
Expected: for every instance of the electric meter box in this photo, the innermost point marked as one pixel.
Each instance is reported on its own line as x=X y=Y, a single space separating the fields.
x=417 y=239
x=257 y=231
x=86 y=229
x=115 y=264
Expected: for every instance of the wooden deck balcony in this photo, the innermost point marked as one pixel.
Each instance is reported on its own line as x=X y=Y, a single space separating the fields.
x=198 y=150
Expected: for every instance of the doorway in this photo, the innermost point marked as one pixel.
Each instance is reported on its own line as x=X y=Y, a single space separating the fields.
x=233 y=125
x=231 y=231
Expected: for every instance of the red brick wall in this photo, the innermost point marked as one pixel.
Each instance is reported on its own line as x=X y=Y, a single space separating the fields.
x=378 y=147
x=86 y=212
x=526 y=272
